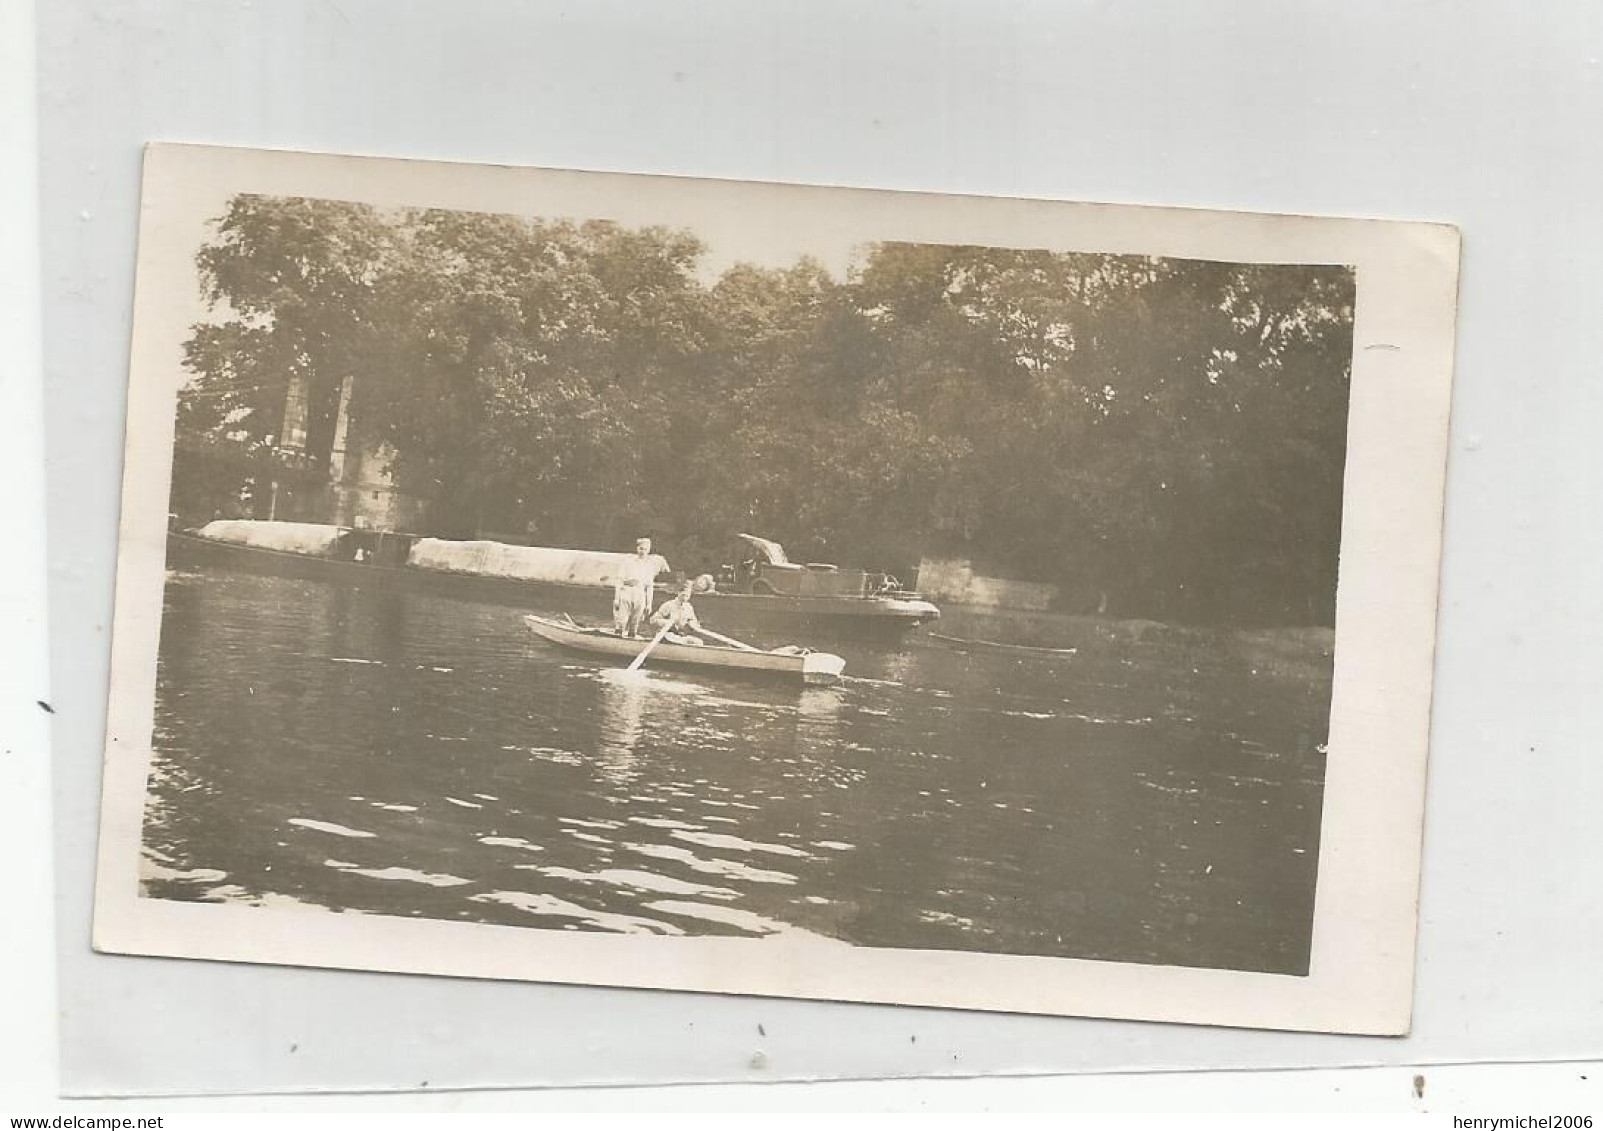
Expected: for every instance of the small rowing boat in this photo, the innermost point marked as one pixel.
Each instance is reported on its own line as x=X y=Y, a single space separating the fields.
x=793 y=664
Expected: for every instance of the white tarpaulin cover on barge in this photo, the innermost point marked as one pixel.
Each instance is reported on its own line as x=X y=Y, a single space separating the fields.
x=290 y=537
x=529 y=563
x=483 y=559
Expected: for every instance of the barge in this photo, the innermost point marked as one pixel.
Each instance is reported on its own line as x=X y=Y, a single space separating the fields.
x=765 y=592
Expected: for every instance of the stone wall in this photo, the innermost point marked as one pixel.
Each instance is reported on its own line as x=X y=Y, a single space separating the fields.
x=953 y=580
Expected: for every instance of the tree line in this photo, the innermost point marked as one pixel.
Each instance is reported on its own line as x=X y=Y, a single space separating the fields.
x=1159 y=437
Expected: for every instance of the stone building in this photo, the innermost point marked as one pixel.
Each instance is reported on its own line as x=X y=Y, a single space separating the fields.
x=340 y=476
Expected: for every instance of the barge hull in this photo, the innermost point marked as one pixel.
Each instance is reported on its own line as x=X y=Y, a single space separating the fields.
x=884 y=619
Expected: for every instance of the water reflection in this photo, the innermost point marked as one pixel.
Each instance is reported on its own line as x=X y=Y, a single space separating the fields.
x=355 y=750
x=621 y=698
x=818 y=718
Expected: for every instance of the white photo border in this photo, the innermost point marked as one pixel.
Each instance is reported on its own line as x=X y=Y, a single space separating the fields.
x=1366 y=906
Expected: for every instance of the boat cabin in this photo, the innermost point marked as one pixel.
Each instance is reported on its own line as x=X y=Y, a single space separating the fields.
x=763 y=568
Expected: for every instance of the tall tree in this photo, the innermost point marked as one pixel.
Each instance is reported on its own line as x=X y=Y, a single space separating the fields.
x=297 y=279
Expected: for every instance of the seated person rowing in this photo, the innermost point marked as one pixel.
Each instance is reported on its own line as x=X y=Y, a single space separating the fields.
x=679 y=615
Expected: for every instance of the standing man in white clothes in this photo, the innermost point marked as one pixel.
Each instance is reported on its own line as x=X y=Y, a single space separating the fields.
x=633 y=588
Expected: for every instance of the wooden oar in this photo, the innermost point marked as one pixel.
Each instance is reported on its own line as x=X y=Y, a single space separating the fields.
x=655 y=640
x=634 y=665
x=729 y=640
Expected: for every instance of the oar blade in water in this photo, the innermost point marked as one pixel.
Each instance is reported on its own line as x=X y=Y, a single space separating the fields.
x=822 y=667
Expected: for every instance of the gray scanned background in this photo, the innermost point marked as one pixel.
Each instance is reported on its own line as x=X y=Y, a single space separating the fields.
x=1482 y=114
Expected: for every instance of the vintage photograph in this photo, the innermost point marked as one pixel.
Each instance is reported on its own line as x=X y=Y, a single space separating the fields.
x=560 y=571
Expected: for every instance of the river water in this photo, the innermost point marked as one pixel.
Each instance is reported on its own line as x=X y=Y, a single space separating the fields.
x=369 y=751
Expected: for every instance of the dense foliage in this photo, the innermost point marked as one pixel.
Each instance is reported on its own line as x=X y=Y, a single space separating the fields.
x=1159 y=437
